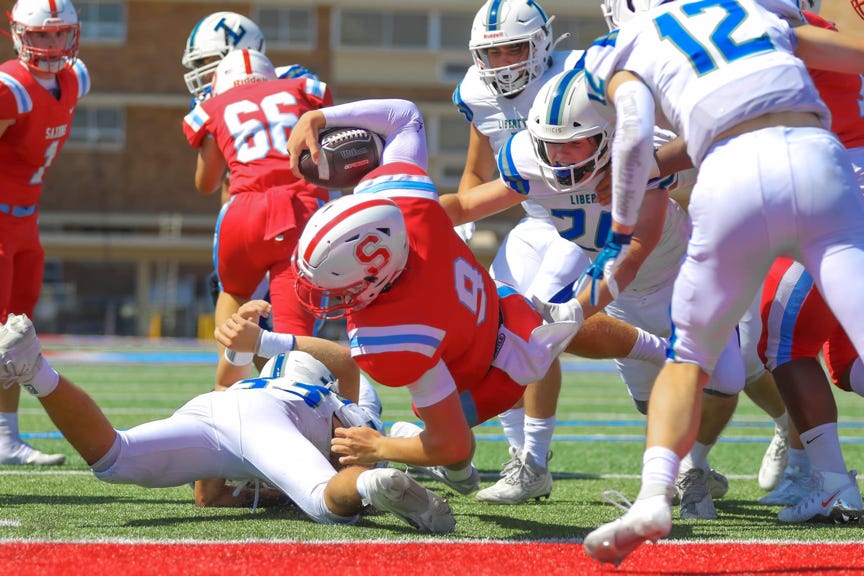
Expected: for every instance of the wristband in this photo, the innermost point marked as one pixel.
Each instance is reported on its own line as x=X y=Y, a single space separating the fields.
x=272 y=343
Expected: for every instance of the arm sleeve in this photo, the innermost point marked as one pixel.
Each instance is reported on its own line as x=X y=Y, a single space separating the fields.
x=398 y=121
x=433 y=386
x=632 y=150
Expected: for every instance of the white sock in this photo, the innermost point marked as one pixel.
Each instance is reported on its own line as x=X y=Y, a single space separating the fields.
x=10 y=437
x=659 y=466
x=649 y=347
x=823 y=448
x=698 y=456
x=798 y=459
x=856 y=377
x=513 y=423
x=460 y=474
x=538 y=438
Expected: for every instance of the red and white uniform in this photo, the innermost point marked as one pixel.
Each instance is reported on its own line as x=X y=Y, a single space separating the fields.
x=797 y=323
x=259 y=226
x=444 y=317
x=28 y=148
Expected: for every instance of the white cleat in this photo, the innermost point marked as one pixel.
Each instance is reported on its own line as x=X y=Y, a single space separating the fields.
x=795 y=485
x=836 y=498
x=20 y=350
x=524 y=481
x=26 y=455
x=696 y=501
x=649 y=519
x=394 y=491
x=775 y=460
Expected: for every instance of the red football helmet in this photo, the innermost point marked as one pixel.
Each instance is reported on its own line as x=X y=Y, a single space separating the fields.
x=45 y=33
x=351 y=250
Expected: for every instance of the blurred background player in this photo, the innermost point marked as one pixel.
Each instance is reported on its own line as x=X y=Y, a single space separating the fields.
x=243 y=129
x=38 y=94
x=512 y=45
x=275 y=429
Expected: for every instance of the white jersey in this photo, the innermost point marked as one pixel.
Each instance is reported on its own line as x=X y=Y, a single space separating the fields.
x=579 y=218
x=750 y=52
x=498 y=117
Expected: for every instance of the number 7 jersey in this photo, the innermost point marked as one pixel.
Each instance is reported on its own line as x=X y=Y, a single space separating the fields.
x=697 y=57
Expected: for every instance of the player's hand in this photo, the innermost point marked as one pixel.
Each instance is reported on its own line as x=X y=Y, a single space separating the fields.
x=356 y=445
x=570 y=311
x=606 y=263
x=304 y=136
x=239 y=334
x=254 y=310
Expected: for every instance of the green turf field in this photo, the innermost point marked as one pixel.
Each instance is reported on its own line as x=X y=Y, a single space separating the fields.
x=598 y=447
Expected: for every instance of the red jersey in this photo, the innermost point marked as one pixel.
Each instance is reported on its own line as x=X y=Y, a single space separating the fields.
x=251 y=125
x=42 y=125
x=444 y=305
x=843 y=94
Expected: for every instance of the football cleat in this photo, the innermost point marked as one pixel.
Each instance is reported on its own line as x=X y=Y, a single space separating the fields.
x=836 y=498
x=649 y=518
x=439 y=473
x=718 y=486
x=793 y=487
x=522 y=483
x=394 y=491
x=513 y=462
x=20 y=350
x=696 y=502
x=26 y=455
x=775 y=460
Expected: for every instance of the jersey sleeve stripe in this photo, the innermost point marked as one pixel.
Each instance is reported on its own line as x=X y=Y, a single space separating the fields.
x=460 y=104
x=508 y=170
x=315 y=87
x=83 y=76
x=418 y=338
x=196 y=118
x=23 y=102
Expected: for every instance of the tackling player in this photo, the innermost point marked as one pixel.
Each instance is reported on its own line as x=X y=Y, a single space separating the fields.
x=39 y=91
x=274 y=429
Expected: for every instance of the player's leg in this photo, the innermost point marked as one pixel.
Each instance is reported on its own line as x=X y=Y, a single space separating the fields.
x=22 y=261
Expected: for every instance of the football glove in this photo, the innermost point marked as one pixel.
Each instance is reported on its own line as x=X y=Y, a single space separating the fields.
x=606 y=263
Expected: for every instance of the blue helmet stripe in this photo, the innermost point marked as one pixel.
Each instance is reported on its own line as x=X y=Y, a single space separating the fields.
x=539 y=9
x=556 y=106
x=195 y=32
x=492 y=18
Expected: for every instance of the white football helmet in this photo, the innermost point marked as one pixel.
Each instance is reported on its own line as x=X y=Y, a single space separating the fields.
x=241 y=67
x=301 y=368
x=502 y=23
x=562 y=113
x=31 y=17
x=617 y=12
x=351 y=250
x=212 y=38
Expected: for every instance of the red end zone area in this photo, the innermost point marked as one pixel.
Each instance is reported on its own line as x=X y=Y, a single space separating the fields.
x=433 y=558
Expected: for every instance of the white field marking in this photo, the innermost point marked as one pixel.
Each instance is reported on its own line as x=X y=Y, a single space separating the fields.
x=5 y=523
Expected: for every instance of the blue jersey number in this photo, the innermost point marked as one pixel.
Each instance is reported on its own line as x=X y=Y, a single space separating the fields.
x=577 y=226
x=700 y=57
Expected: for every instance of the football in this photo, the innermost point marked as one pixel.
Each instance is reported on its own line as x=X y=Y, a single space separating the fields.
x=347 y=154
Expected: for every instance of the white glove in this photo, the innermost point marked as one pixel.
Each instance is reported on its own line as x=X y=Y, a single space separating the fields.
x=570 y=311
x=465 y=231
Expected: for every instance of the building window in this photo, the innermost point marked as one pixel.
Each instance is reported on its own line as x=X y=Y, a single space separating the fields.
x=102 y=21
x=288 y=27
x=98 y=128
x=400 y=30
x=455 y=31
